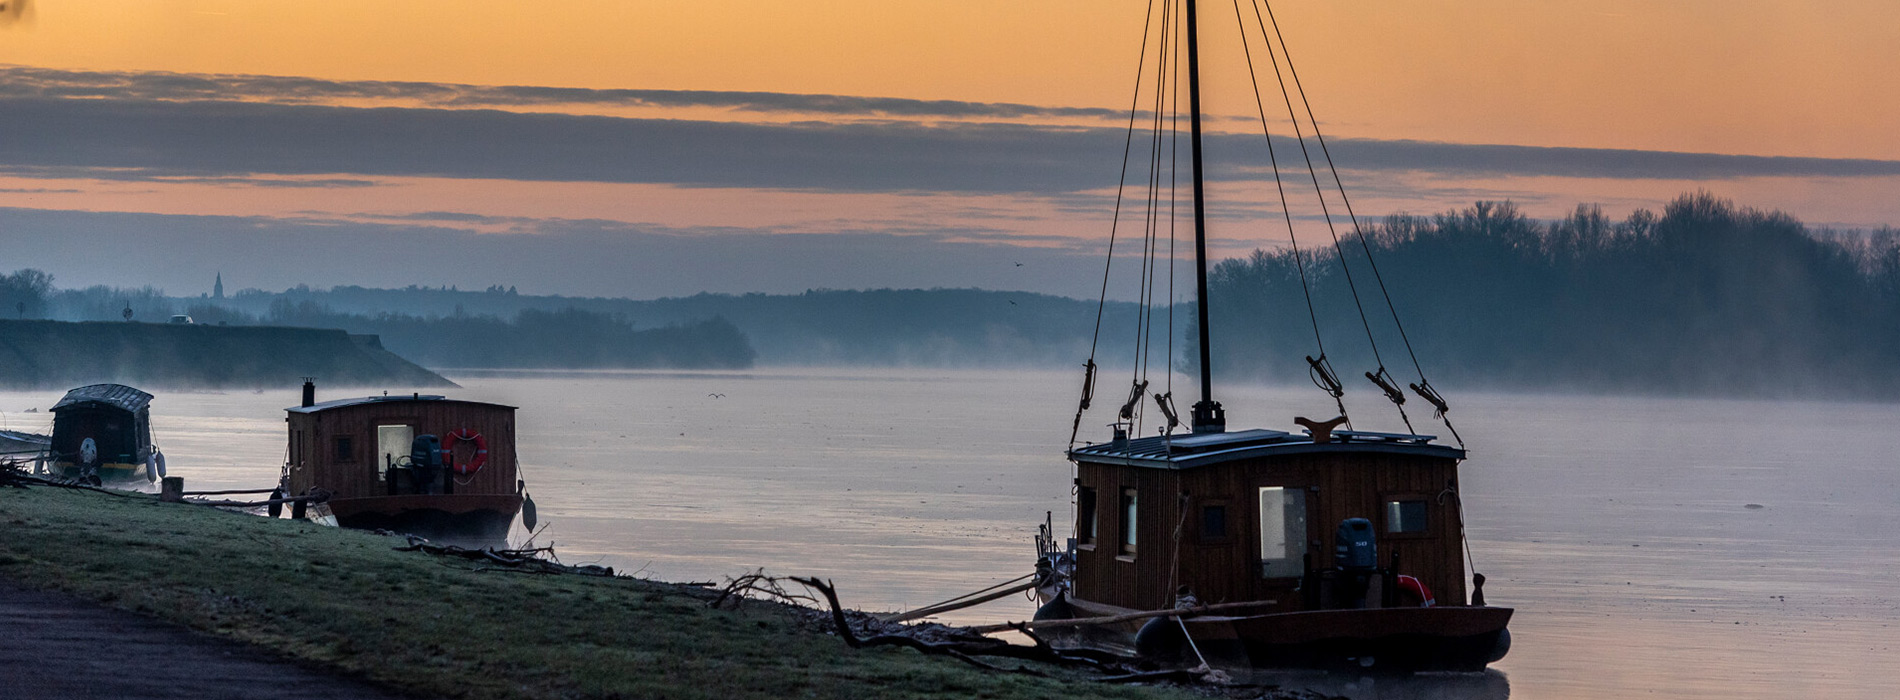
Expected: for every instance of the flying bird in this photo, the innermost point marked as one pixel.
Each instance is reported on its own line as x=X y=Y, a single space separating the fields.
x=717 y=396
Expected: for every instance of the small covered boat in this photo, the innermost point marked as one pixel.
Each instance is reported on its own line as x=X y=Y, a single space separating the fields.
x=103 y=432
x=420 y=464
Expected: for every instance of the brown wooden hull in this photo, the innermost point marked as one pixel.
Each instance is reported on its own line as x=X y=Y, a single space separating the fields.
x=1385 y=639
x=477 y=517
x=1398 y=640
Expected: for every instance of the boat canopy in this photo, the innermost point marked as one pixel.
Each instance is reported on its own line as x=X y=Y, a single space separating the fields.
x=118 y=396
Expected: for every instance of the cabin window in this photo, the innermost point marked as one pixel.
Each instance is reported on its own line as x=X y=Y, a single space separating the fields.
x=1405 y=517
x=1129 y=505
x=1085 y=515
x=392 y=443
x=1213 y=523
x=1282 y=532
x=345 y=449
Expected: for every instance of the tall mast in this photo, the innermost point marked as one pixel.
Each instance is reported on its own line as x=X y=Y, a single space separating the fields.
x=1208 y=416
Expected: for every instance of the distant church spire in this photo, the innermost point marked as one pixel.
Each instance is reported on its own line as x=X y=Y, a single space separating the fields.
x=217 y=290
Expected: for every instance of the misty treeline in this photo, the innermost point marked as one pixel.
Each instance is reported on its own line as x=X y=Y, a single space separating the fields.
x=534 y=338
x=526 y=338
x=1706 y=298
x=933 y=327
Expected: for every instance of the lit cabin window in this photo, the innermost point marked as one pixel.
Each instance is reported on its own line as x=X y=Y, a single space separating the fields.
x=1129 y=505
x=1282 y=532
x=1085 y=515
x=1213 y=523
x=392 y=443
x=1405 y=517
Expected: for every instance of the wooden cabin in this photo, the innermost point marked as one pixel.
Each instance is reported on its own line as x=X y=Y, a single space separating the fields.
x=104 y=430
x=373 y=454
x=1257 y=512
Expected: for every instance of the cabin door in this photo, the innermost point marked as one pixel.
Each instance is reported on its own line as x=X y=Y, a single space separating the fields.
x=392 y=443
x=1285 y=537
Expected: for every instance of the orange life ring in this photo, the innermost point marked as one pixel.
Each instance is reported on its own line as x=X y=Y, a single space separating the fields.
x=1413 y=591
x=481 y=450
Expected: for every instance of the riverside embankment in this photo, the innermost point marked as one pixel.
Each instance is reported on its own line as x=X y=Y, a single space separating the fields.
x=42 y=354
x=348 y=604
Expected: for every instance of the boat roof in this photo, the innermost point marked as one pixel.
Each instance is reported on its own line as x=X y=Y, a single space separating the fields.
x=1195 y=450
x=366 y=400
x=118 y=396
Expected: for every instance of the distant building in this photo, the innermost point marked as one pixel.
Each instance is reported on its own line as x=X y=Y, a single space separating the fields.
x=217 y=289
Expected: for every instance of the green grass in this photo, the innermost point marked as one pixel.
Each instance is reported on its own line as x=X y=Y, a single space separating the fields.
x=346 y=600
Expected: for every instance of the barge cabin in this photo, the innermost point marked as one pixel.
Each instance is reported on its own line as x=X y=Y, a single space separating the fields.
x=420 y=464
x=1349 y=545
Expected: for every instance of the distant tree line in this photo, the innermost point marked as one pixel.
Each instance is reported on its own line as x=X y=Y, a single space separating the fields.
x=1707 y=298
x=1704 y=298
x=529 y=338
x=566 y=338
x=883 y=327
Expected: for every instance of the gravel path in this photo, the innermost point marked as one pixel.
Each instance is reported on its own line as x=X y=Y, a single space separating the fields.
x=56 y=646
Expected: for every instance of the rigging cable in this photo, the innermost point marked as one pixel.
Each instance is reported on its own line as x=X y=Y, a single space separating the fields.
x=1132 y=412
x=1424 y=387
x=1299 y=262
x=1319 y=191
x=1175 y=156
x=1134 y=109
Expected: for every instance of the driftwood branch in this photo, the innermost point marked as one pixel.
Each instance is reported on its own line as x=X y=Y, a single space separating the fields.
x=538 y=559
x=974 y=645
x=1126 y=617
x=757 y=584
x=851 y=639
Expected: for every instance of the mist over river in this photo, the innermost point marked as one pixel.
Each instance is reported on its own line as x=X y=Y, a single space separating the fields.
x=1674 y=547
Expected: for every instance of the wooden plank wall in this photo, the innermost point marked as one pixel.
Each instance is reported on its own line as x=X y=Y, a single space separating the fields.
x=1226 y=570
x=313 y=451
x=1102 y=574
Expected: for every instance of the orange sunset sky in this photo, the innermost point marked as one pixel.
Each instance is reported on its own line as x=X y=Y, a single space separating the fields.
x=1809 y=80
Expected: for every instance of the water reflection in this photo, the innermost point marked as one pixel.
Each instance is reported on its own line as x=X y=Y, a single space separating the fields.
x=1489 y=685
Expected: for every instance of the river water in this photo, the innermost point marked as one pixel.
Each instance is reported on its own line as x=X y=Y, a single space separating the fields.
x=1667 y=547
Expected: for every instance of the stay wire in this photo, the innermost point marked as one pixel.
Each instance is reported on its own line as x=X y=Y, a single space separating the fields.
x=1319 y=191
x=1371 y=261
x=1286 y=211
x=1341 y=186
x=1175 y=156
x=1144 y=306
x=1121 y=184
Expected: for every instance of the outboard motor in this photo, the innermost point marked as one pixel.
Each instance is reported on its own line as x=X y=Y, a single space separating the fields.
x=425 y=461
x=1356 y=556
x=1355 y=547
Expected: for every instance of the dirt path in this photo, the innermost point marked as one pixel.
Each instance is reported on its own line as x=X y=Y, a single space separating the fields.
x=55 y=646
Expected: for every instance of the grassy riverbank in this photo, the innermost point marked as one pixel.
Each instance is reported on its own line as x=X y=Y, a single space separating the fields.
x=432 y=626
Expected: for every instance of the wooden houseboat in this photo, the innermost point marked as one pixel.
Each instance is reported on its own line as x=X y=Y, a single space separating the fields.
x=104 y=432
x=1327 y=548
x=421 y=464
x=1350 y=543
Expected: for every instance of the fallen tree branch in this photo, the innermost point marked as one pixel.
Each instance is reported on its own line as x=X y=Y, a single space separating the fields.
x=1126 y=617
x=851 y=638
x=520 y=559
